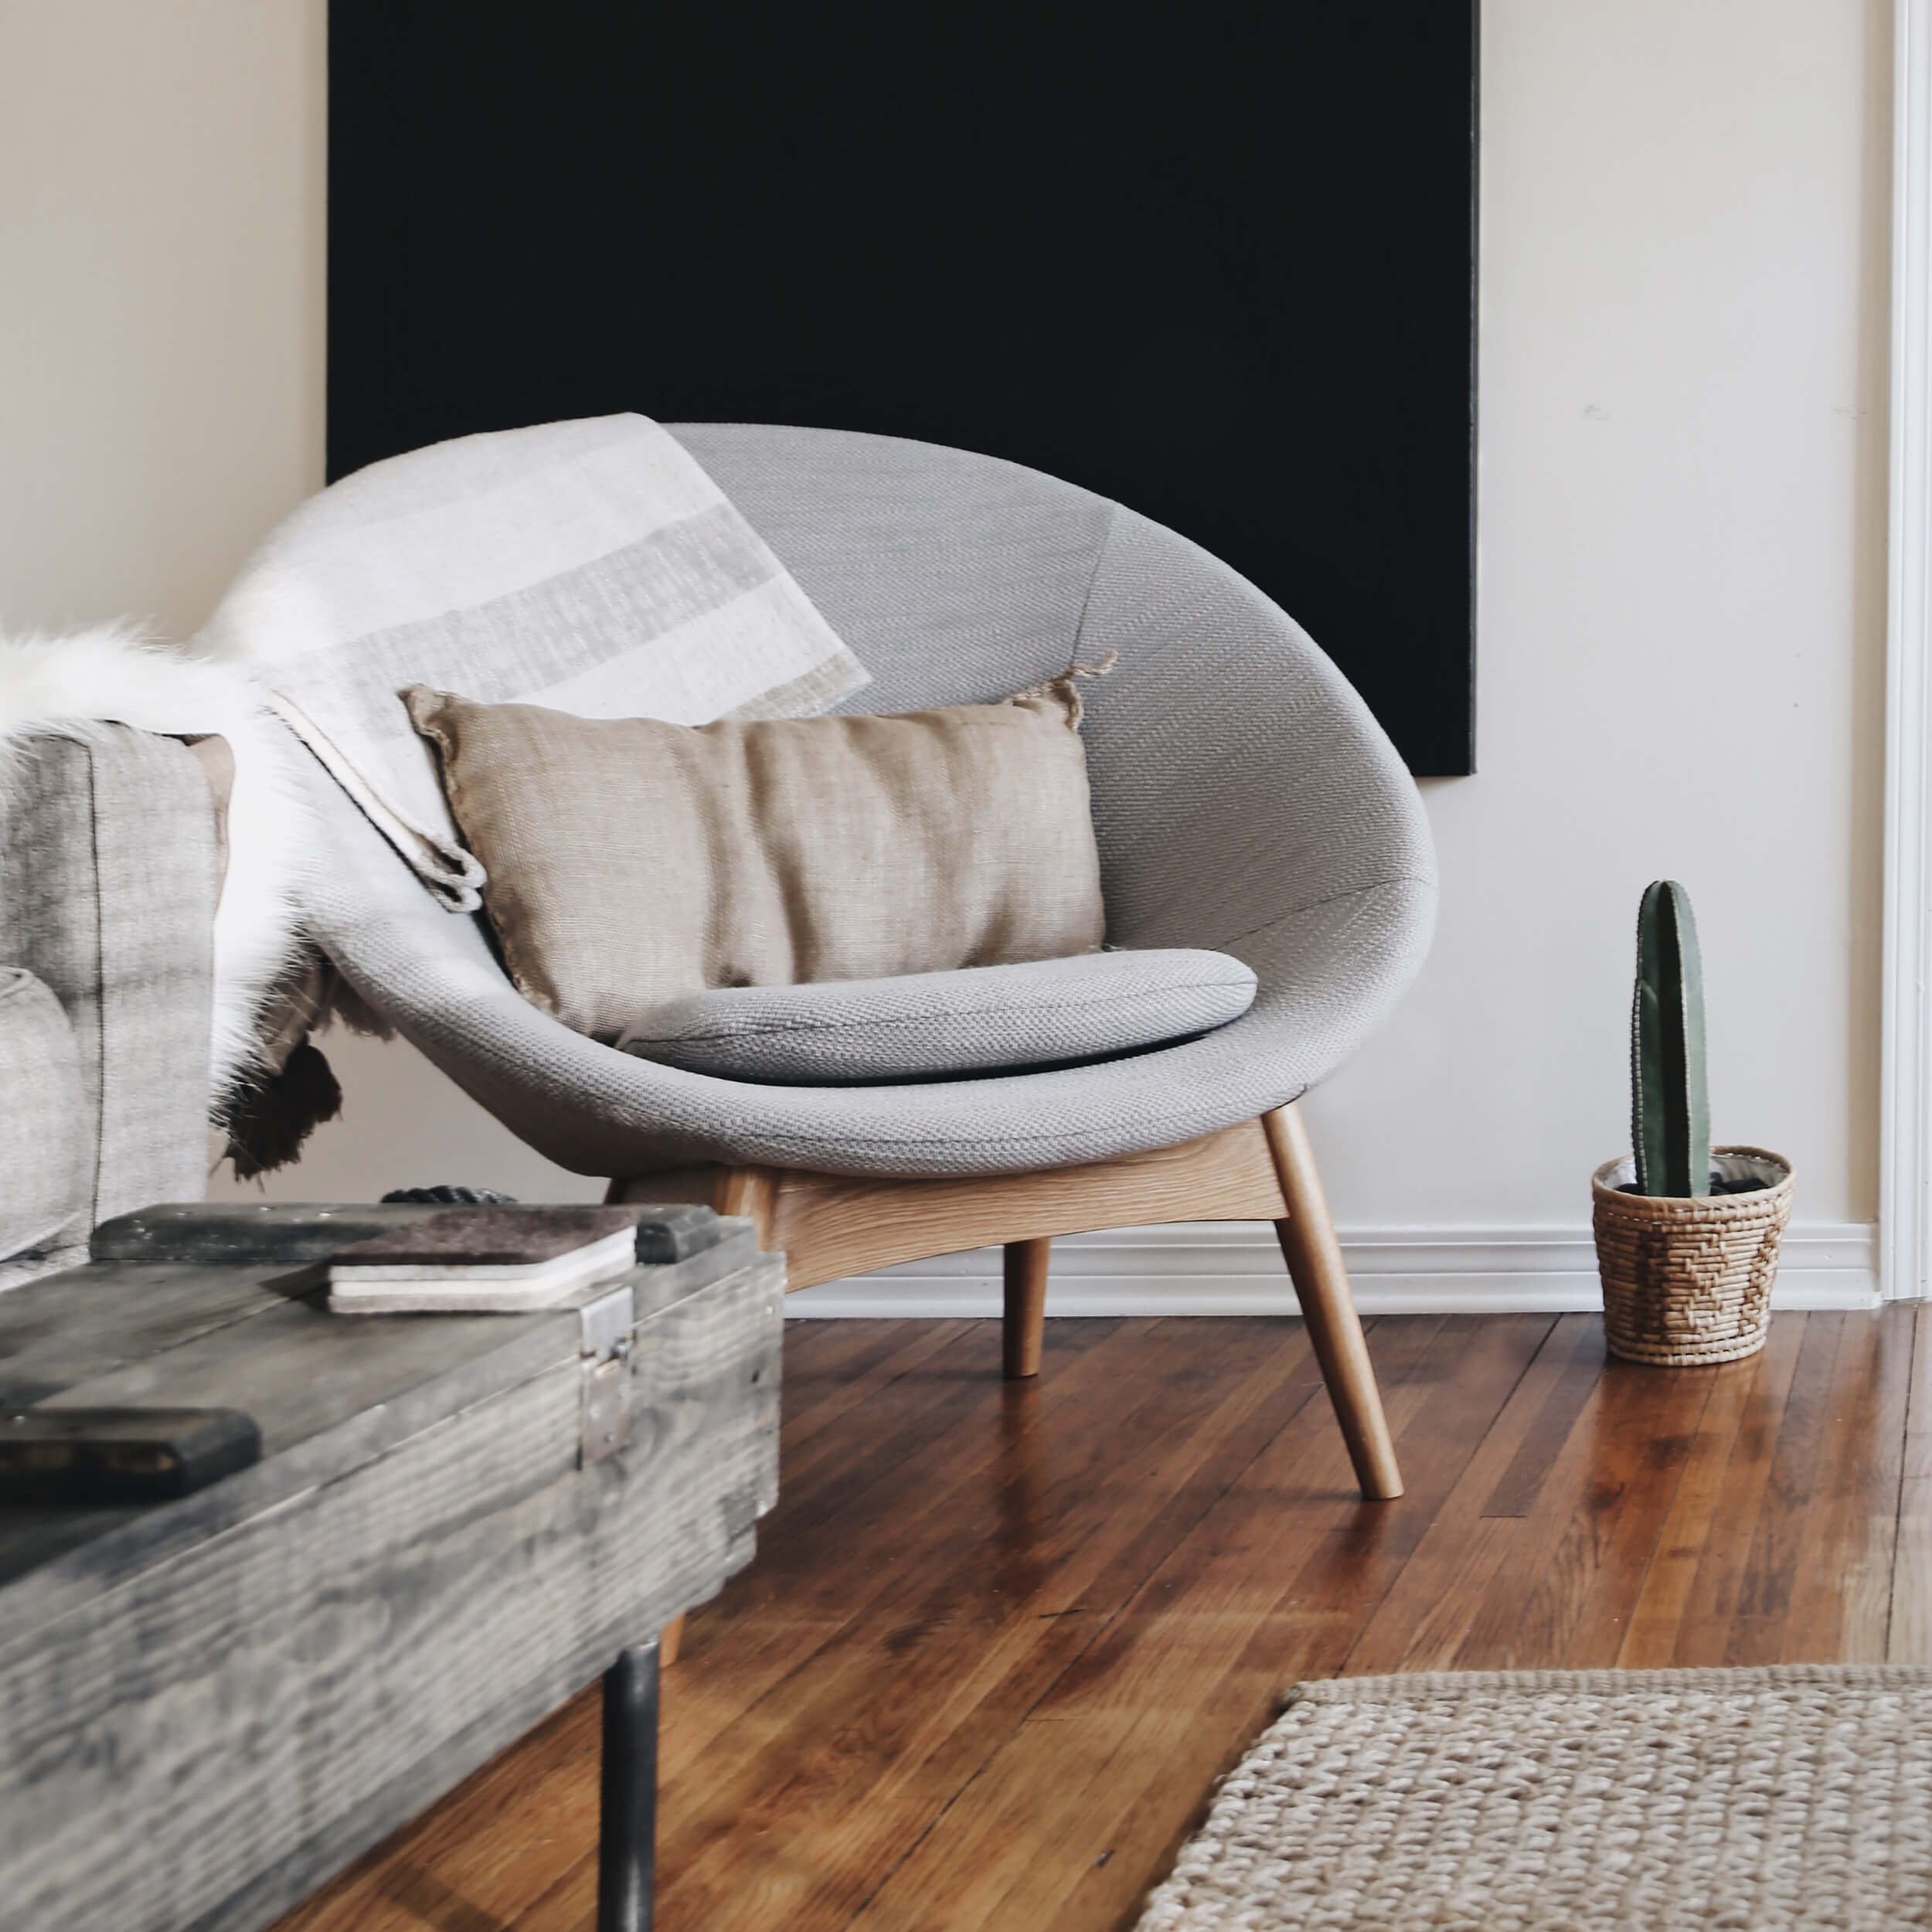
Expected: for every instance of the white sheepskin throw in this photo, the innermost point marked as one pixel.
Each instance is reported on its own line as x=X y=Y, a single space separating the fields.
x=72 y=685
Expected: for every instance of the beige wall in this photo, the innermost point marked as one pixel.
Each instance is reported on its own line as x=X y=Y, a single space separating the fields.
x=1682 y=469
x=161 y=297
x=1685 y=214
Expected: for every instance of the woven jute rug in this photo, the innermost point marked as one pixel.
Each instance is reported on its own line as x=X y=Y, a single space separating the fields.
x=1575 y=1801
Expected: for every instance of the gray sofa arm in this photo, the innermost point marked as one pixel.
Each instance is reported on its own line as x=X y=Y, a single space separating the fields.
x=108 y=891
x=44 y=1154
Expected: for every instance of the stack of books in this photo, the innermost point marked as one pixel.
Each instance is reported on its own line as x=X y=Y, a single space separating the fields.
x=485 y=1260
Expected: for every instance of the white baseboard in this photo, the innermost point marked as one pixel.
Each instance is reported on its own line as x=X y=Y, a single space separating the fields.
x=1233 y=1267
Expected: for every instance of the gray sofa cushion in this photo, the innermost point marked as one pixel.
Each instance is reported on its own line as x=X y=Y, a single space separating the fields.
x=927 y=1026
x=44 y=1157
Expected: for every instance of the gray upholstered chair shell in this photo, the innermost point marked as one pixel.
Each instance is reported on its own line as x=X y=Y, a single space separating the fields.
x=1245 y=800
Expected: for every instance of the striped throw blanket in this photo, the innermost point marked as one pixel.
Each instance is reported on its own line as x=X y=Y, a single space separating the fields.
x=590 y=566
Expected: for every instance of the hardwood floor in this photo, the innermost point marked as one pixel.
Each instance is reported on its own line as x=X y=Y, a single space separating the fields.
x=1001 y=1638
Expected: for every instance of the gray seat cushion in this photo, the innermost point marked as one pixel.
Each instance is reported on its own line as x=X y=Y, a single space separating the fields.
x=929 y=1025
x=45 y=1155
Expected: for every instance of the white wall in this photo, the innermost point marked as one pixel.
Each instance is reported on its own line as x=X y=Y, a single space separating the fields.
x=1685 y=208
x=161 y=297
x=1685 y=211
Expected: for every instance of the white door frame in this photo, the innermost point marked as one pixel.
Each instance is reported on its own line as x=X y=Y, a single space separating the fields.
x=1905 y=1181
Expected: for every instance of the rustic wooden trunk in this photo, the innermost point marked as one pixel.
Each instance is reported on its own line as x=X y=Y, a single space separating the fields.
x=209 y=1706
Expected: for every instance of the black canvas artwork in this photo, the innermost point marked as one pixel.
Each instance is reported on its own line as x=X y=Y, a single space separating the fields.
x=1213 y=260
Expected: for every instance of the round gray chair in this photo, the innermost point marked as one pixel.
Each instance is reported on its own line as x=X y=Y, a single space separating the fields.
x=1244 y=801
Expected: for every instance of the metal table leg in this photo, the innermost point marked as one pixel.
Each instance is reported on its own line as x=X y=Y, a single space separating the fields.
x=627 y=1844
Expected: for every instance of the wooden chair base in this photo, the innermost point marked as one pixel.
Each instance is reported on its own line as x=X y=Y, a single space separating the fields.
x=670 y=1641
x=1023 y=1330
x=831 y=1226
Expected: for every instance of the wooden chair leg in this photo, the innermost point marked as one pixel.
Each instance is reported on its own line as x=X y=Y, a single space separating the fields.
x=1313 y=1257
x=1025 y=1327
x=670 y=1640
x=751 y=1192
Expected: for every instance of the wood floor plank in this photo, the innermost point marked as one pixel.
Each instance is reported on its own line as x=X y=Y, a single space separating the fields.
x=1119 y=1753
x=1463 y=1383
x=1426 y=1616
x=1763 y=1599
x=1495 y=1623
x=978 y=1651
x=825 y=1384
x=1259 y=1540
x=1542 y=1437
x=1000 y=1640
x=1580 y=1563
x=1650 y=1638
x=1908 y=1638
x=934 y=1434
x=1918 y=1423
x=1429 y=1626
x=909 y=1448
x=1841 y=1587
x=1021 y=1803
x=1704 y=1632
x=1658 y=1432
x=936 y=1440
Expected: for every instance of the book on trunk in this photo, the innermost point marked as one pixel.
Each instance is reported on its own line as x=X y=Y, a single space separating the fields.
x=484 y=1261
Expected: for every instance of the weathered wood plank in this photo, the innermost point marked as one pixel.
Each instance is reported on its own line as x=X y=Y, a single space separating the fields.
x=327 y=1394
x=198 y=1744
x=325 y=1398
x=67 y=1327
x=210 y=1704
x=289 y=1234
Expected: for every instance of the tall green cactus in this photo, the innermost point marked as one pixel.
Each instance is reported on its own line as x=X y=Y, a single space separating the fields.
x=1670 y=1103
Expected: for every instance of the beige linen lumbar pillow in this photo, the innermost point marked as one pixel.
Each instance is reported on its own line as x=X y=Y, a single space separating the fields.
x=630 y=861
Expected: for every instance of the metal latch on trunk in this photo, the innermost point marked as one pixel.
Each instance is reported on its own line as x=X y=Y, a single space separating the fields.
x=604 y=1403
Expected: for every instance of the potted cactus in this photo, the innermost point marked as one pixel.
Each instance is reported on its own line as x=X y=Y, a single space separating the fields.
x=1687 y=1234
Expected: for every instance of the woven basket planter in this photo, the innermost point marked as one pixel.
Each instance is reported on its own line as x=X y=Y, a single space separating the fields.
x=1690 y=1280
